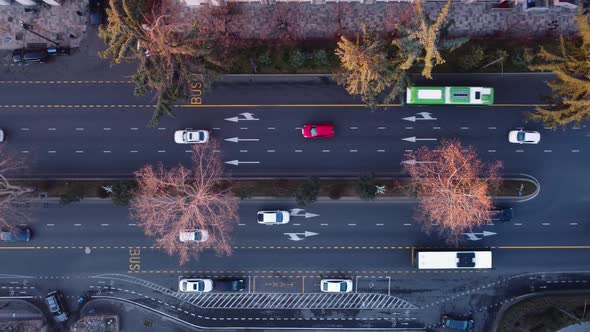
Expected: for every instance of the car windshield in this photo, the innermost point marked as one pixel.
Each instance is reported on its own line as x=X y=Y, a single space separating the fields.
x=261 y=217
x=279 y=217
x=314 y=131
x=325 y=286
x=520 y=136
x=343 y=287
x=201 y=136
x=477 y=95
x=197 y=235
x=200 y=286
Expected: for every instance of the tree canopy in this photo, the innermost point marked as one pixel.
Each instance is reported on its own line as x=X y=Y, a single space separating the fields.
x=572 y=86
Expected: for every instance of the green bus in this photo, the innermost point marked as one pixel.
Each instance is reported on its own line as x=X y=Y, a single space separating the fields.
x=449 y=95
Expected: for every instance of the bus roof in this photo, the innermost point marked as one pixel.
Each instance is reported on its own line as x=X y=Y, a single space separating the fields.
x=429 y=94
x=453 y=259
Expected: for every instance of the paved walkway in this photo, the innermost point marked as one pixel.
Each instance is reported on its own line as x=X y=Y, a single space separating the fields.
x=59 y=23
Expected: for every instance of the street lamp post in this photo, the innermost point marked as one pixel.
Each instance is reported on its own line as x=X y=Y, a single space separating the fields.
x=29 y=29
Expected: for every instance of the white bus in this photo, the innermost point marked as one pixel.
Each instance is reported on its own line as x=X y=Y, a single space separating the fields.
x=463 y=259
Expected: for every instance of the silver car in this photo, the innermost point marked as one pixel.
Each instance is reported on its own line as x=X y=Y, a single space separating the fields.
x=191 y=136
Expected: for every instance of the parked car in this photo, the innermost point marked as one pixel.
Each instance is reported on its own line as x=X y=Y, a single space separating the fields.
x=195 y=285
x=318 y=131
x=501 y=214
x=18 y=235
x=524 y=137
x=24 y=55
x=277 y=217
x=229 y=284
x=1 y=135
x=197 y=235
x=56 y=307
x=457 y=323
x=336 y=285
x=190 y=136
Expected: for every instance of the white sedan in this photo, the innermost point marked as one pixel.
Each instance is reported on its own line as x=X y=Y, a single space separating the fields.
x=190 y=136
x=1 y=135
x=336 y=285
x=198 y=235
x=195 y=285
x=524 y=137
x=277 y=217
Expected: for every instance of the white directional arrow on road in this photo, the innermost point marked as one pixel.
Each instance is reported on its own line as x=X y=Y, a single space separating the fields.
x=247 y=117
x=296 y=236
x=414 y=162
x=295 y=213
x=473 y=236
x=236 y=139
x=237 y=162
x=413 y=139
x=422 y=116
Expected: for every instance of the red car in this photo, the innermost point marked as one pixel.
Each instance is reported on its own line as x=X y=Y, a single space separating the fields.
x=318 y=131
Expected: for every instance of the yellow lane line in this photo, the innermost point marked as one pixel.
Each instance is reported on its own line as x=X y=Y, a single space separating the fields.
x=243 y=105
x=540 y=247
x=18 y=248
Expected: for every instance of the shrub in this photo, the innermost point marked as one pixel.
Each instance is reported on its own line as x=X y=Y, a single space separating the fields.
x=336 y=191
x=366 y=187
x=452 y=44
x=307 y=192
x=528 y=55
x=72 y=193
x=264 y=59
x=244 y=192
x=296 y=58
x=473 y=58
x=122 y=193
x=320 y=58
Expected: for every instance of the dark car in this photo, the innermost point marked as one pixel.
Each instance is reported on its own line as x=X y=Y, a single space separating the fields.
x=228 y=285
x=24 y=55
x=501 y=214
x=56 y=307
x=17 y=235
x=457 y=323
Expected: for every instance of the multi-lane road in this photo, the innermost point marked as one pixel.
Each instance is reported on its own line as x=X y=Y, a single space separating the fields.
x=90 y=128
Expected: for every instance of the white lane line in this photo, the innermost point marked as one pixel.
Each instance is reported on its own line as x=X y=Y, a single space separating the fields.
x=407 y=224
x=519 y=151
x=575 y=151
x=409 y=150
x=50 y=225
x=576 y=128
x=547 y=150
x=243 y=128
x=79 y=151
x=381 y=150
x=104 y=225
x=106 y=129
x=379 y=224
x=270 y=150
x=546 y=223
x=491 y=150
x=161 y=128
x=51 y=129
x=243 y=151
x=298 y=150
x=435 y=127
x=134 y=128
x=464 y=128
x=381 y=128
x=323 y=224
x=296 y=224
x=24 y=129
x=547 y=128
x=271 y=128
x=131 y=224
x=573 y=224
x=408 y=127
x=188 y=151
x=517 y=224
x=51 y=151
x=216 y=128
x=351 y=224
x=464 y=151
x=241 y=224
x=24 y=151
x=133 y=151
x=216 y=151
x=325 y=150
x=353 y=128
x=77 y=225
x=353 y=150
x=161 y=151
x=79 y=129
x=298 y=128
x=491 y=128
x=106 y=151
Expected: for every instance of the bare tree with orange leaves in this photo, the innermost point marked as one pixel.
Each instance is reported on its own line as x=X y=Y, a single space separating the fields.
x=453 y=188
x=168 y=201
x=11 y=194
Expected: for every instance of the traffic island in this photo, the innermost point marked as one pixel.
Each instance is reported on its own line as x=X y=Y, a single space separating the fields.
x=305 y=190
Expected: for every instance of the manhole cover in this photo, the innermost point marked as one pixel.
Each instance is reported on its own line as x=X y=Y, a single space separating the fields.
x=10 y=19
